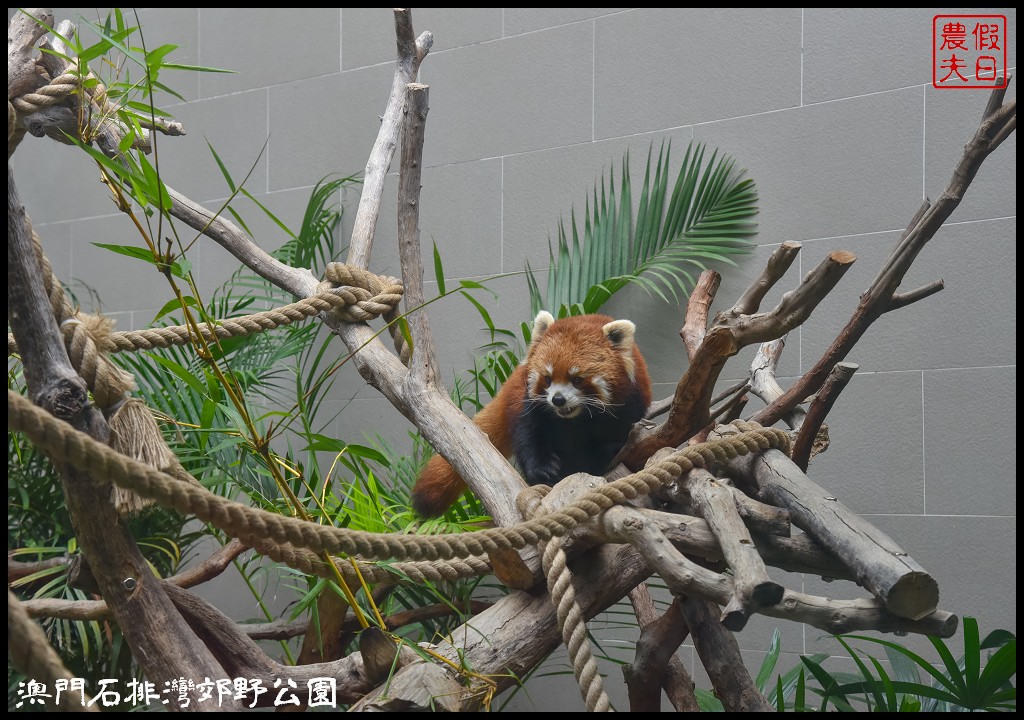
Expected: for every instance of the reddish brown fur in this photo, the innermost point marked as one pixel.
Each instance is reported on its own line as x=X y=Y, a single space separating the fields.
x=439 y=486
x=579 y=341
x=570 y=342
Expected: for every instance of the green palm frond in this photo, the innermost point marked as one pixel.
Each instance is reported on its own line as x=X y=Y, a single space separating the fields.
x=707 y=216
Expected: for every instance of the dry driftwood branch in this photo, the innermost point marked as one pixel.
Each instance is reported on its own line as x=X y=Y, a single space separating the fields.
x=211 y=567
x=285 y=629
x=241 y=657
x=820 y=407
x=418 y=686
x=411 y=51
x=877 y=562
x=733 y=329
x=656 y=665
x=98 y=610
x=715 y=503
x=692 y=535
x=683 y=576
x=620 y=524
x=843 y=616
x=763 y=382
x=23 y=32
x=423 y=365
x=776 y=267
x=720 y=655
x=161 y=641
x=695 y=325
x=447 y=428
x=996 y=125
x=759 y=516
x=17 y=569
x=510 y=638
x=421 y=687
x=104 y=127
x=753 y=588
x=322 y=640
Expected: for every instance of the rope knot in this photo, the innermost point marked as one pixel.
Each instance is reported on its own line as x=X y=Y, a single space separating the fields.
x=361 y=294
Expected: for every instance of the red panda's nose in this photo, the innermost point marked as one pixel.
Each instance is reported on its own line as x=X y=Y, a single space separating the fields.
x=558 y=399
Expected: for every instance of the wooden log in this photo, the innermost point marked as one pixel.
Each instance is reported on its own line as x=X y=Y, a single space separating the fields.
x=876 y=560
x=752 y=587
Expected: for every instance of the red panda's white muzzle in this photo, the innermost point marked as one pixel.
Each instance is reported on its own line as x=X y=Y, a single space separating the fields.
x=565 y=400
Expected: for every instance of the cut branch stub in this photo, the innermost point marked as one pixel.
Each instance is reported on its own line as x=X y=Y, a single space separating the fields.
x=877 y=562
x=753 y=588
x=733 y=330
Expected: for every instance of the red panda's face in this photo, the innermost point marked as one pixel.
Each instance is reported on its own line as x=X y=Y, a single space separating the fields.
x=567 y=390
x=579 y=366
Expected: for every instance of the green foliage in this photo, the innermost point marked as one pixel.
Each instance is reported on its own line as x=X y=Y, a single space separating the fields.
x=974 y=681
x=787 y=686
x=708 y=216
x=122 y=75
x=39 y=528
x=959 y=684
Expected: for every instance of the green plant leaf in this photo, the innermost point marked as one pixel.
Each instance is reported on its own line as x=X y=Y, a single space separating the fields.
x=764 y=673
x=869 y=679
x=999 y=669
x=438 y=271
x=830 y=688
x=196 y=68
x=175 y=305
x=709 y=215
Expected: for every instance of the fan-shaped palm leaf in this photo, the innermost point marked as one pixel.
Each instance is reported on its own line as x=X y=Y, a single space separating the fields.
x=707 y=217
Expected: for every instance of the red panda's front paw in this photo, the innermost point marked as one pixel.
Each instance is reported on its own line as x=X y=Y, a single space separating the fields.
x=549 y=473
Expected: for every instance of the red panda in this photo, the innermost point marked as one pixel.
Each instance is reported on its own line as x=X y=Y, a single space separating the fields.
x=567 y=408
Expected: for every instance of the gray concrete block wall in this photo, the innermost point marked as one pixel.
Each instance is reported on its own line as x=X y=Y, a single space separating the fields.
x=831 y=112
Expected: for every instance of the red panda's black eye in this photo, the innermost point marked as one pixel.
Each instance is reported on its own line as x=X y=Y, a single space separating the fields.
x=547 y=381
x=576 y=380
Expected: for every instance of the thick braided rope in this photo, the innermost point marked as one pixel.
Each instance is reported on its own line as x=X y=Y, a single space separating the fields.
x=415 y=572
x=148 y=339
x=60 y=87
x=370 y=297
x=33 y=655
x=385 y=294
x=106 y=381
x=50 y=94
x=574 y=628
x=253 y=526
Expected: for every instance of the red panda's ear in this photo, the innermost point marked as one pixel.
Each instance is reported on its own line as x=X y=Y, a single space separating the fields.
x=541 y=324
x=620 y=334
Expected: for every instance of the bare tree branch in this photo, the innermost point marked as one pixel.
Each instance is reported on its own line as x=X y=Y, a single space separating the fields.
x=996 y=125
x=878 y=563
x=423 y=365
x=656 y=664
x=159 y=638
x=720 y=655
x=763 y=382
x=98 y=609
x=823 y=402
x=410 y=54
x=697 y=308
x=17 y=569
x=733 y=329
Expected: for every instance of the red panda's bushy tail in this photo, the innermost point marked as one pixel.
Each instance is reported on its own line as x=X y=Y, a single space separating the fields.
x=439 y=486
